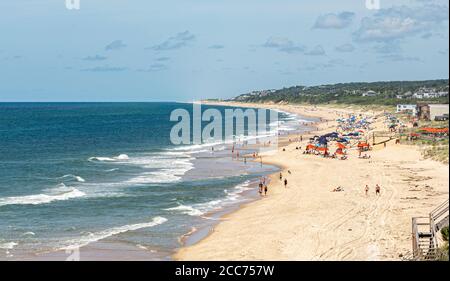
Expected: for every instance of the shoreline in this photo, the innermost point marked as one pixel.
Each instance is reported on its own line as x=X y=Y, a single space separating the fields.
x=223 y=215
x=196 y=235
x=259 y=238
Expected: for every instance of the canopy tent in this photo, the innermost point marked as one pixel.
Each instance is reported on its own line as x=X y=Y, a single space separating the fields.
x=363 y=144
x=310 y=147
x=319 y=148
x=342 y=140
x=340 y=145
x=434 y=130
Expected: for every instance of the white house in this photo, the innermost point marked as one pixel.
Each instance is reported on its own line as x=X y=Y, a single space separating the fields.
x=407 y=108
x=370 y=94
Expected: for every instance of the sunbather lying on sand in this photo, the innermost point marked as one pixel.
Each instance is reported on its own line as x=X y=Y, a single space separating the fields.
x=338 y=189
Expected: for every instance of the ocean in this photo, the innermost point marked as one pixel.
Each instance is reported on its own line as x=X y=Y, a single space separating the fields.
x=76 y=174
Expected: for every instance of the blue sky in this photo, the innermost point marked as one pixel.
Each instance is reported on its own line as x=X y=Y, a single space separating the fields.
x=183 y=50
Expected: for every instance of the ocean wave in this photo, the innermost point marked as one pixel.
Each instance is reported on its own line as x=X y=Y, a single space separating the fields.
x=121 y=157
x=169 y=170
x=187 y=210
x=112 y=170
x=41 y=198
x=202 y=208
x=8 y=245
x=97 y=236
x=77 y=178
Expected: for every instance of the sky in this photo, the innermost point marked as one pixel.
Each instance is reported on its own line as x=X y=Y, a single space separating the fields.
x=185 y=50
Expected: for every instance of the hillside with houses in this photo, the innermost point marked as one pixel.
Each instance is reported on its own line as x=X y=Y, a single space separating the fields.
x=383 y=93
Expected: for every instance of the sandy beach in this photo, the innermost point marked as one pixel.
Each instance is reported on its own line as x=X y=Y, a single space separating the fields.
x=307 y=221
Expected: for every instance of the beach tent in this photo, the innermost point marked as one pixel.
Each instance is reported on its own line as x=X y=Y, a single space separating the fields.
x=342 y=140
x=363 y=145
x=331 y=135
x=434 y=130
x=340 y=145
x=323 y=149
x=310 y=147
x=323 y=140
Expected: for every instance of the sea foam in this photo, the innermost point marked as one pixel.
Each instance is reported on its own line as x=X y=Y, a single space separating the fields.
x=41 y=198
x=97 y=236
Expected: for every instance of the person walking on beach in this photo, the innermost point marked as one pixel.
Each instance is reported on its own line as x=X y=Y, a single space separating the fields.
x=285 y=183
x=260 y=188
x=265 y=190
x=378 y=190
x=367 y=190
x=281 y=176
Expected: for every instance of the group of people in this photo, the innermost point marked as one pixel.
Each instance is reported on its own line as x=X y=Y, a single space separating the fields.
x=285 y=180
x=263 y=186
x=377 y=190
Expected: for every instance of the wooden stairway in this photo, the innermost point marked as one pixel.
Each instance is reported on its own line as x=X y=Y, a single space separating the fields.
x=425 y=230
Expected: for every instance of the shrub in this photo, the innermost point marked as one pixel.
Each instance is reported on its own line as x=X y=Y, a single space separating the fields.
x=444 y=232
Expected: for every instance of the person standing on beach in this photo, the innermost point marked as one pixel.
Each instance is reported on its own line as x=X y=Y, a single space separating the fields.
x=265 y=190
x=285 y=183
x=367 y=190
x=281 y=176
x=260 y=188
x=378 y=190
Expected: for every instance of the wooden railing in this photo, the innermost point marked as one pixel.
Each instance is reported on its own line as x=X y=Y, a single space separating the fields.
x=425 y=230
x=438 y=219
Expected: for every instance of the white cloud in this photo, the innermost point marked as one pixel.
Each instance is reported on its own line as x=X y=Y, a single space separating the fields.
x=316 y=51
x=175 y=42
x=115 y=45
x=400 y=22
x=334 y=21
x=283 y=44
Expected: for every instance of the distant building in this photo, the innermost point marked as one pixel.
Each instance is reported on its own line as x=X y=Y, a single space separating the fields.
x=407 y=108
x=370 y=94
x=423 y=111
x=438 y=110
x=432 y=112
x=417 y=96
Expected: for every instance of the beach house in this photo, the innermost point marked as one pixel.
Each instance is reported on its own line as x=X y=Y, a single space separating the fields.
x=407 y=108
